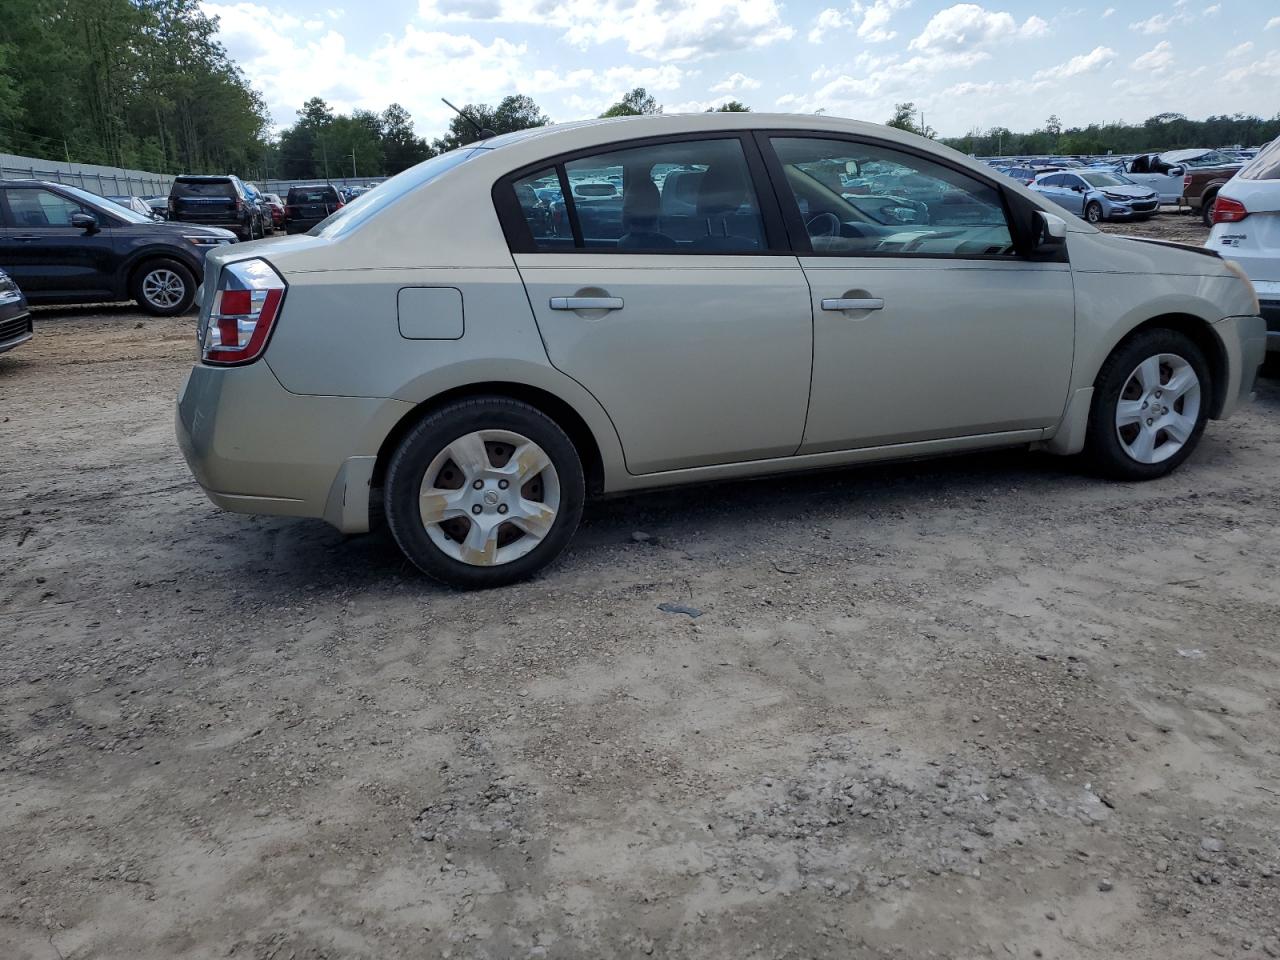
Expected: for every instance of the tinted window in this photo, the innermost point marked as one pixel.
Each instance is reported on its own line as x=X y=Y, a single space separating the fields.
x=203 y=188
x=42 y=208
x=1266 y=165
x=313 y=195
x=1104 y=180
x=869 y=199
x=542 y=205
x=1053 y=180
x=678 y=197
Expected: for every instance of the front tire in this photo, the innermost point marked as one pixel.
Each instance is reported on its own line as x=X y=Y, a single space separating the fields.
x=1150 y=403
x=1093 y=212
x=163 y=288
x=484 y=492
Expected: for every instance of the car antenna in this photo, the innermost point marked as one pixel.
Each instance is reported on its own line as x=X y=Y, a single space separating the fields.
x=482 y=133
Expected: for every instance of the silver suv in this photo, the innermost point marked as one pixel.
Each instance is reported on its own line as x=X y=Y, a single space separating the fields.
x=492 y=335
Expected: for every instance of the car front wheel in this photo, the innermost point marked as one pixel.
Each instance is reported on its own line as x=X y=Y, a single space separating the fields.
x=484 y=492
x=1150 y=404
x=164 y=288
x=1093 y=212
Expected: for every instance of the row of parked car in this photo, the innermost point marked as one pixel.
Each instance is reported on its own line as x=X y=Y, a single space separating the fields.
x=1190 y=178
x=63 y=244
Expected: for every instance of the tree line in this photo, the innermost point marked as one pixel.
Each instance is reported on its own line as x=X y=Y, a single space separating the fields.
x=128 y=83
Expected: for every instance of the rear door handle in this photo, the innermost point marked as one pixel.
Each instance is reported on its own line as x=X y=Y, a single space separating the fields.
x=26 y=238
x=586 y=303
x=856 y=303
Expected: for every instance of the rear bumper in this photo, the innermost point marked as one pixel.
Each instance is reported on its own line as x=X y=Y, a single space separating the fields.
x=1244 y=339
x=254 y=447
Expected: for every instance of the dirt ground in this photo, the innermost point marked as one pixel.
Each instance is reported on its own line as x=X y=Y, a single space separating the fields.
x=979 y=707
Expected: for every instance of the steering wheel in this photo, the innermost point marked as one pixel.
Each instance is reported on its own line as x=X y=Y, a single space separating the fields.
x=825 y=224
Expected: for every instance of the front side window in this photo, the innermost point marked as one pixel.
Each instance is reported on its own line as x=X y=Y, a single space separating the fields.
x=868 y=199
x=41 y=208
x=691 y=196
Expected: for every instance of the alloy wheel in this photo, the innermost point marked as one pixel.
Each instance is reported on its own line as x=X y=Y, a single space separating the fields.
x=1158 y=408
x=163 y=288
x=489 y=497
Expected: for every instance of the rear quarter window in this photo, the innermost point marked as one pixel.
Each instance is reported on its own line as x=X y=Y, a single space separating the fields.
x=1266 y=165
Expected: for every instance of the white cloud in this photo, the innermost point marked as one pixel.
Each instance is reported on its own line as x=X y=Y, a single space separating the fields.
x=1156 y=60
x=1267 y=68
x=650 y=28
x=966 y=26
x=1241 y=50
x=735 y=83
x=872 y=20
x=826 y=23
x=1091 y=62
x=1212 y=10
x=1108 y=12
x=1273 y=22
x=1160 y=23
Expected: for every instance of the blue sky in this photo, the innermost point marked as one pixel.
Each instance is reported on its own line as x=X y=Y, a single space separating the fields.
x=966 y=65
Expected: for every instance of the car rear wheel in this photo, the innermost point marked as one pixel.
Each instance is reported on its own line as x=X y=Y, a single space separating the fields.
x=1093 y=212
x=484 y=492
x=1150 y=404
x=1206 y=209
x=163 y=288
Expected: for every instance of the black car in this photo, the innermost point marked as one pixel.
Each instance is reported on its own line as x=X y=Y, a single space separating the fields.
x=219 y=201
x=15 y=321
x=306 y=206
x=66 y=245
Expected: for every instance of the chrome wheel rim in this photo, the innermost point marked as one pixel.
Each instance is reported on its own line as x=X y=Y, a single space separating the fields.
x=1158 y=408
x=163 y=288
x=1094 y=213
x=489 y=497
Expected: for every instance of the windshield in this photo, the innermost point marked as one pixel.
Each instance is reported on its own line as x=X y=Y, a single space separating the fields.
x=1105 y=180
x=1265 y=166
x=370 y=204
x=102 y=205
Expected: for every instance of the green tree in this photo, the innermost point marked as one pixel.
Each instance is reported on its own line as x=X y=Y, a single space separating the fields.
x=401 y=147
x=516 y=112
x=733 y=106
x=636 y=103
x=904 y=118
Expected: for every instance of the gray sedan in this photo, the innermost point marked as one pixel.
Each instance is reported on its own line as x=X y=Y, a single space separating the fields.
x=1098 y=196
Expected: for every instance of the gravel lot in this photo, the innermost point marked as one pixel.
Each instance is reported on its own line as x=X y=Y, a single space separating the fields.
x=979 y=707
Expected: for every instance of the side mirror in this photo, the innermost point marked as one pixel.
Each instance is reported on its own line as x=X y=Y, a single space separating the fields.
x=1177 y=171
x=85 y=221
x=1051 y=232
x=851 y=167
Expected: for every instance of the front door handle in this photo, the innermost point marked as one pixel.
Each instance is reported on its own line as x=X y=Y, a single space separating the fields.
x=27 y=238
x=586 y=303
x=853 y=303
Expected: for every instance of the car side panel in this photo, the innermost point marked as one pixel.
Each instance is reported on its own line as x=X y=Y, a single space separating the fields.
x=339 y=334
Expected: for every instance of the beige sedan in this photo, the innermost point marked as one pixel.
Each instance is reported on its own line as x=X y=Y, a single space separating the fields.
x=607 y=306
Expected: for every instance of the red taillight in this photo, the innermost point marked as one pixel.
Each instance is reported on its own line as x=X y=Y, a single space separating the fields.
x=1186 y=181
x=245 y=308
x=1226 y=210
x=239 y=206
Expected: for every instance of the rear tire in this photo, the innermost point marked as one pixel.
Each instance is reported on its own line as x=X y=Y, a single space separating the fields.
x=503 y=530
x=163 y=288
x=1206 y=209
x=1150 y=403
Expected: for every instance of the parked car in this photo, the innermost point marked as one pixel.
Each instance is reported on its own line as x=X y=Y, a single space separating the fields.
x=265 y=222
x=215 y=201
x=275 y=206
x=1204 y=173
x=306 y=206
x=1246 y=229
x=1149 y=170
x=440 y=344
x=15 y=319
x=66 y=245
x=159 y=206
x=136 y=204
x=1098 y=196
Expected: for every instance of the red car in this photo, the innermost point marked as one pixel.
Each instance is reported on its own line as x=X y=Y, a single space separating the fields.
x=276 y=206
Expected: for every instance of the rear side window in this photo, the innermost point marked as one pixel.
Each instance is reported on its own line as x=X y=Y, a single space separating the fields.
x=683 y=196
x=203 y=188
x=1266 y=165
x=41 y=208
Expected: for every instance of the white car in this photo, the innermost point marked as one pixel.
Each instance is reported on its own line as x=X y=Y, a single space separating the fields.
x=1246 y=229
